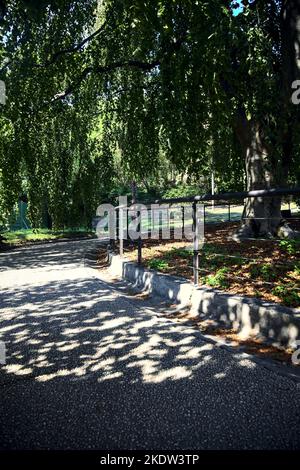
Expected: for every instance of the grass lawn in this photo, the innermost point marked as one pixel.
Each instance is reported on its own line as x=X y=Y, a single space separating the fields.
x=22 y=237
x=267 y=269
x=217 y=214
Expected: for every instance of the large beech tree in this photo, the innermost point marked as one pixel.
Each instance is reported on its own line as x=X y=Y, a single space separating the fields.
x=184 y=77
x=267 y=122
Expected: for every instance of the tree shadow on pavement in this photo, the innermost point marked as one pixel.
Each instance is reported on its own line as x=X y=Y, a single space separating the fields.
x=86 y=368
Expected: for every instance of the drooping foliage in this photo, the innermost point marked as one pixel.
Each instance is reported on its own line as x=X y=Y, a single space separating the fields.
x=99 y=88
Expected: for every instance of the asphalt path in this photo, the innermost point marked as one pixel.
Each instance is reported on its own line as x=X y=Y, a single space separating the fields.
x=89 y=368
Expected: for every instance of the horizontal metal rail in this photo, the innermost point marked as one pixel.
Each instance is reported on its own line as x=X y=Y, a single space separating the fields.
x=275 y=192
x=224 y=198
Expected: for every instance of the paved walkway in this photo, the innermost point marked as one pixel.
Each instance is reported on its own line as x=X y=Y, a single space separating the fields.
x=88 y=368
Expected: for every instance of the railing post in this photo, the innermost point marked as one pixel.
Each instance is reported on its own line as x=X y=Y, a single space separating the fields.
x=121 y=231
x=127 y=224
x=160 y=225
x=139 y=214
x=152 y=220
x=139 y=251
x=117 y=223
x=149 y=222
x=112 y=233
x=229 y=213
x=182 y=219
x=196 y=245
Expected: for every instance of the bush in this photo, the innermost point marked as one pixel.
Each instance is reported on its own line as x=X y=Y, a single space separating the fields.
x=265 y=271
x=158 y=264
x=287 y=294
x=181 y=190
x=290 y=246
x=219 y=279
x=181 y=252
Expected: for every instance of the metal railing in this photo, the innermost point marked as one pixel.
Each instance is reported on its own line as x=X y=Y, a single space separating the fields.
x=122 y=233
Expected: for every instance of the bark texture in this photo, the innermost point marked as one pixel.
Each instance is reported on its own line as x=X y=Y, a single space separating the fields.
x=262 y=216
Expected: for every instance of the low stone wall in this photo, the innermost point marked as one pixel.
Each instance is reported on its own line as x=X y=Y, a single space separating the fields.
x=173 y=289
x=280 y=325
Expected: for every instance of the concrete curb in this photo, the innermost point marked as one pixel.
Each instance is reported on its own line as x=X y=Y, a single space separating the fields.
x=280 y=325
x=171 y=288
x=275 y=323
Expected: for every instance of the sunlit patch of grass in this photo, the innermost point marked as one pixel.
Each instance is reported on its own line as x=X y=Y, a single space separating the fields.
x=20 y=237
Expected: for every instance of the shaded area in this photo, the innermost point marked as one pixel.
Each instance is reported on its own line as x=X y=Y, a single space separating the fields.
x=48 y=255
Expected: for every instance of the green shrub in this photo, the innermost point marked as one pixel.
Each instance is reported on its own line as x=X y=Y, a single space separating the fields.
x=288 y=294
x=219 y=279
x=181 y=252
x=297 y=268
x=290 y=246
x=158 y=264
x=265 y=272
x=181 y=190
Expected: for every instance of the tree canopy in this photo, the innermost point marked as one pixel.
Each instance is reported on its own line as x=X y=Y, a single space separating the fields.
x=99 y=88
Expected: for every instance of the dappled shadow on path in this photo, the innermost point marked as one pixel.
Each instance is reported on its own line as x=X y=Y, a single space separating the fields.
x=63 y=329
x=48 y=255
x=88 y=369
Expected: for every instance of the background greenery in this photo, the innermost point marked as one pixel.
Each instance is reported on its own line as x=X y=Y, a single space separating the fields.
x=111 y=92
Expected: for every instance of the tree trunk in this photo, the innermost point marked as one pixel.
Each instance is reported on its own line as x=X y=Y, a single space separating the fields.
x=290 y=53
x=261 y=216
